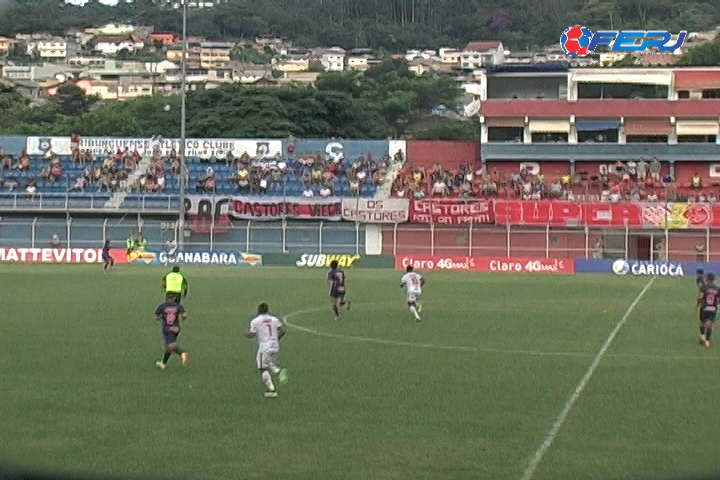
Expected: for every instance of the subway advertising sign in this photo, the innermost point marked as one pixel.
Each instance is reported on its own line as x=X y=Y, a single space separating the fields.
x=321 y=260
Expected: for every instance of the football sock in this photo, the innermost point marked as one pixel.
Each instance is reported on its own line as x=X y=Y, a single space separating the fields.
x=267 y=380
x=166 y=357
x=275 y=369
x=708 y=333
x=413 y=310
x=335 y=309
x=702 y=330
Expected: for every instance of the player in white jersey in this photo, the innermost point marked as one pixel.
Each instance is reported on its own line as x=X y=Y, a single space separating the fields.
x=413 y=283
x=171 y=250
x=267 y=330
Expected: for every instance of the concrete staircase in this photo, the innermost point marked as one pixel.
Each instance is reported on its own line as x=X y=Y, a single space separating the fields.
x=117 y=199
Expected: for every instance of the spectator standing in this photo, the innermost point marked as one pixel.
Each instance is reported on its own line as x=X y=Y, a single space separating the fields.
x=142 y=243
x=642 y=168
x=655 y=169
x=130 y=244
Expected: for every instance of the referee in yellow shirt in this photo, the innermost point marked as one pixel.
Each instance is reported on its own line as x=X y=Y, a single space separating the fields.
x=175 y=285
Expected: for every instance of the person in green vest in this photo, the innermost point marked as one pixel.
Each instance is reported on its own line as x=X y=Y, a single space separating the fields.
x=130 y=244
x=142 y=244
x=175 y=285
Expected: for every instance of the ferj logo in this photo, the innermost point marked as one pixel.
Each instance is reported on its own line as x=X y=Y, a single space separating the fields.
x=579 y=41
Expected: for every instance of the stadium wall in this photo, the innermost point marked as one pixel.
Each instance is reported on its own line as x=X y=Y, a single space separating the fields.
x=550 y=242
x=89 y=231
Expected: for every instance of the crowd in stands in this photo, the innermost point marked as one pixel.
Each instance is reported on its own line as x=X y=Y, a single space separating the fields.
x=319 y=174
x=307 y=174
x=313 y=173
x=631 y=181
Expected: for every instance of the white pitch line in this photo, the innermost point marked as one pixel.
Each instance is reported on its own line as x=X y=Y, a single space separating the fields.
x=555 y=429
x=460 y=348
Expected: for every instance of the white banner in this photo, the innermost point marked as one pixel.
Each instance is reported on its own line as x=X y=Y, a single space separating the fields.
x=194 y=147
x=277 y=208
x=368 y=210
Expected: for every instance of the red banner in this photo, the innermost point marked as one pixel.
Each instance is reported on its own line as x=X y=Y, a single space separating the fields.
x=452 y=211
x=486 y=264
x=58 y=255
x=634 y=215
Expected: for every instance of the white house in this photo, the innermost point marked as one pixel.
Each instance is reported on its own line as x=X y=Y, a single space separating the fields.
x=333 y=59
x=358 y=62
x=53 y=48
x=449 y=56
x=475 y=55
x=112 y=44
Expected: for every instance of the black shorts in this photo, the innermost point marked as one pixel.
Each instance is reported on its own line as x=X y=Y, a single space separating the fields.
x=708 y=316
x=173 y=297
x=334 y=294
x=107 y=258
x=170 y=337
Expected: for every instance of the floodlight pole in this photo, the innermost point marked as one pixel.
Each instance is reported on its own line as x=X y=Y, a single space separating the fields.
x=183 y=127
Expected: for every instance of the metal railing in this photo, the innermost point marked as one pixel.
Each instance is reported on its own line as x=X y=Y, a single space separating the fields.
x=69 y=201
x=553 y=242
x=347 y=237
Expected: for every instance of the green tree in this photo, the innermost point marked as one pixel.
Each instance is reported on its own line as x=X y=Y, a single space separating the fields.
x=381 y=103
x=72 y=100
x=707 y=55
x=393 y=25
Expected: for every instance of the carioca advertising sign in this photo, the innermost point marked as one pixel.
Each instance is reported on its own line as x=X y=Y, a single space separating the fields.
x=579 y=41
x=485 y=264
x=637 y=267
x=321 y=260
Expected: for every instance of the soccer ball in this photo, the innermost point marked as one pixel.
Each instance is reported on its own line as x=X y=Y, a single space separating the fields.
x=576 y=40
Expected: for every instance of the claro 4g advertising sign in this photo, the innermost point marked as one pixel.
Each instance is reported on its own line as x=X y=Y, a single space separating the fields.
x=486 y=264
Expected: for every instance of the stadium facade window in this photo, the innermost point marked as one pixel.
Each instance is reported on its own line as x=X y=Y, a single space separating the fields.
x=697 y=138
x=621 y=90
x=505 y=134
x=598 y=136
x=549 y=137
x=647 y=139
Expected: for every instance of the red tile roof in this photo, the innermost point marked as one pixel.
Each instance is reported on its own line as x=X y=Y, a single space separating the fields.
x=484 y=46
x=597 y=108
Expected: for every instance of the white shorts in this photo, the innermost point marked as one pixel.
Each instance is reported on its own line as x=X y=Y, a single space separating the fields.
x=265 y=359
x=413 y=297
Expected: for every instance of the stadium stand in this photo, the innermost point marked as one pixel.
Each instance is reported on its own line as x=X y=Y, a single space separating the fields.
x=631 y=181
x=85 y=178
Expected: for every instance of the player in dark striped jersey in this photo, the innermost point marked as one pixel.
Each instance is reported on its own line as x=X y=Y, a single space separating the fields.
x=338 y=289
x=169 y=314
x=700 y=283
x=709 y=308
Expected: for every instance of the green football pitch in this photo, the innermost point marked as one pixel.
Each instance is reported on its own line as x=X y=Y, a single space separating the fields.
x=504 y=373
